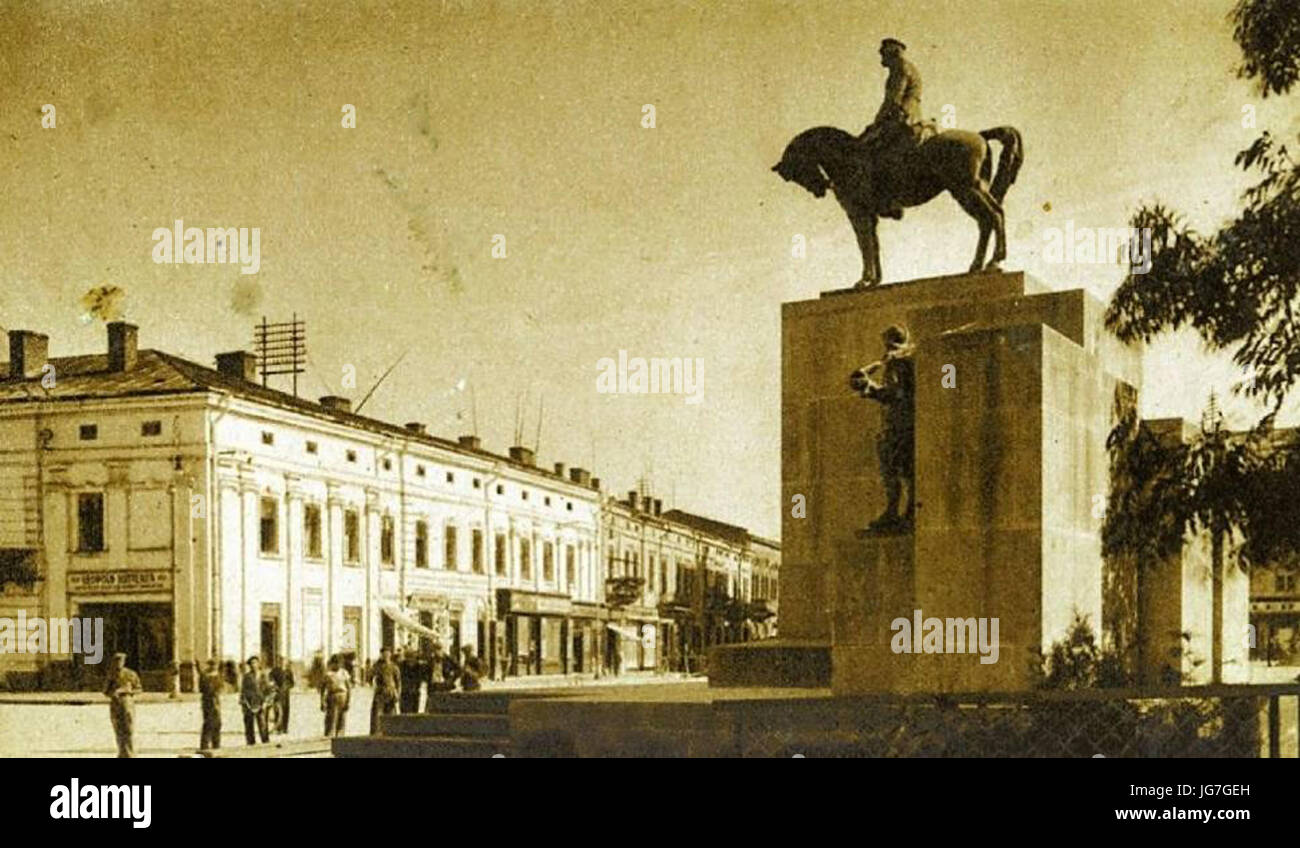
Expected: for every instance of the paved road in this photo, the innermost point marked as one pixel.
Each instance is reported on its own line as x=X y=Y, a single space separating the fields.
x=162 y=728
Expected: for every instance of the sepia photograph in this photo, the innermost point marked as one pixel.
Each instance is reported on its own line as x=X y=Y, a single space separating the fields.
x=870 y=380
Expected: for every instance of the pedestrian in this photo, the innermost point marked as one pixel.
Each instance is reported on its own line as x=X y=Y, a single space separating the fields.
x=282 y=677
x=412 y=671
x=210 y=701
x=231 y=674
x=335 y=694
x=387 y=681
x=471 y=671
x=121 y=686
x=316 y=674
x=253 y=701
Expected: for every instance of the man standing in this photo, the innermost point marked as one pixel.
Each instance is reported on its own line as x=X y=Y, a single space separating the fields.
x=252 y=700
x=413 y=673
x=282 y=677
x=892 y=134
x=891 y=382
x=387 y=680
x=336 y=689
x=210 y=701
x=121 y=686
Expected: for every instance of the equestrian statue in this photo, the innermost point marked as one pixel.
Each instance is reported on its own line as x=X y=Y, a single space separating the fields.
x=900 y=161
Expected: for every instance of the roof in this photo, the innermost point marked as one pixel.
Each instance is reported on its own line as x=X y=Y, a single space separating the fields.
x=730 y=532
x=158 y=373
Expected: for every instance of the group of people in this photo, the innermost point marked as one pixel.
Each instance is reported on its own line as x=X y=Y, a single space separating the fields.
x=397 y=681
x=263 y=699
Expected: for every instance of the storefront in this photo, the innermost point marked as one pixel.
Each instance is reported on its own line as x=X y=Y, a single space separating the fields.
x=537 y=631
x=136 y=608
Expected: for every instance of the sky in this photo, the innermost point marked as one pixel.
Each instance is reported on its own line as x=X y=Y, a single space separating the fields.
x=525 y=120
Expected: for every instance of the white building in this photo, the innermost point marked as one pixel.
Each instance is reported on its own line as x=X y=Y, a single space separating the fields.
x=201 y=514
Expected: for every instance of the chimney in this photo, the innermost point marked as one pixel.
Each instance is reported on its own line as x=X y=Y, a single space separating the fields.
x=581 y=476
x=414 y=427
x=595 y=483
x=121 y=346
x=471 y=442
x=334 y=403
x=659 y=505
x=27 y=354
x=522 y=455
x=559 y=469
x=239 y=364
x=632 y=497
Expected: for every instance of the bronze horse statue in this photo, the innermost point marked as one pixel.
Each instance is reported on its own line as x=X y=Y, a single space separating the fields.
x=957 y=161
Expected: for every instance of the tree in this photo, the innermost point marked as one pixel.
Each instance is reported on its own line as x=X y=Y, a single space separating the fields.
x=1238 y=289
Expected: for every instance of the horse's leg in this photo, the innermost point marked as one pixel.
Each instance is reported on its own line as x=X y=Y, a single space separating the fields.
x=999 y=228
x=969 y=200
x=864 y=227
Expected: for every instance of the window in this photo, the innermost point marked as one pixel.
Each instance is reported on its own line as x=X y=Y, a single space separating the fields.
x=548 y=561
x=523 y=493
x=351 y=536
x=569 y=506
x=311 y=529
x=269 y=526
x=88 y=432
x=388 y=464
x=476 y=550
x=1284 y=581
x=478 y=483
x=151 y=428
x=352 y=456
x=386 y=540
x=568 y=565
x=268 y=438
x=449 y=548
x=501 y=490
x=421 y=544
x=500 y=555
x=419 y=471
x=90 y=522
x=547 y=500
x=312 y=447
x=525 y=559
x=451 y=478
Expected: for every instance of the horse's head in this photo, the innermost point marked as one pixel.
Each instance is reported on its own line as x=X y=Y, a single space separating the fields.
x=807 y=157
x=803 y=172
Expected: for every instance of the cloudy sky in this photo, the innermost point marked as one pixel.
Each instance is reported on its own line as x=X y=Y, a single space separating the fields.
x=523 y=119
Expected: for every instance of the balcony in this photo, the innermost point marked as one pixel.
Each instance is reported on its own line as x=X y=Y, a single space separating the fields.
x=623 y=591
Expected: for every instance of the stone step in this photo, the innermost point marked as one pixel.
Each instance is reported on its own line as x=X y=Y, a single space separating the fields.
x=446 y=724
x=476 y=703
x=408 y=747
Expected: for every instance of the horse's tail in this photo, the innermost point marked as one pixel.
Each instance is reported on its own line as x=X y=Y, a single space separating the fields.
x=1009 y=162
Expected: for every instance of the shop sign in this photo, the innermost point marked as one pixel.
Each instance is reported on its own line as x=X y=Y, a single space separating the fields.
x=119 y=582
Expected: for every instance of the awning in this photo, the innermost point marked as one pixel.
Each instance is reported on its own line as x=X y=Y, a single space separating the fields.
x=624 y=631
x=409 y=623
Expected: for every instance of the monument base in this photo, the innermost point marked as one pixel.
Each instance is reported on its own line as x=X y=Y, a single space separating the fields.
x=771 y=663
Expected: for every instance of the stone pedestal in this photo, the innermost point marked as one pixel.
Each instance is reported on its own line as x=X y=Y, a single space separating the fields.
x=1010 y=463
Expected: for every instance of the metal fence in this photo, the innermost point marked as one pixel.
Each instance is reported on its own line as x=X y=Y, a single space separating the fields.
x=1201 y=721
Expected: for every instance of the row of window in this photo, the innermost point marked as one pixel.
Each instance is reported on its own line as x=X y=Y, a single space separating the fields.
x=90 y=432
x=269 y=532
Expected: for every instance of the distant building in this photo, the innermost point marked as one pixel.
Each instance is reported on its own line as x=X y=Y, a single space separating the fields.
x=200 y=514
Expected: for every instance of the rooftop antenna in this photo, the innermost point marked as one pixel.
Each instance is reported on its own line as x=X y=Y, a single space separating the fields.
x=537 y=443
x=381 y=379
x=281 y=348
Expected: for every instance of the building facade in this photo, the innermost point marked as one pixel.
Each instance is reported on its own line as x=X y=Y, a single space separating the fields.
x=200 y=514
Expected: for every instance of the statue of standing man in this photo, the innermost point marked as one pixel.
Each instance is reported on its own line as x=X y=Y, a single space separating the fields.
x=891 y=382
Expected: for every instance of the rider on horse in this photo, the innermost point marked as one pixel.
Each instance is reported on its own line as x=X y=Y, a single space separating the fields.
x=896 y=129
